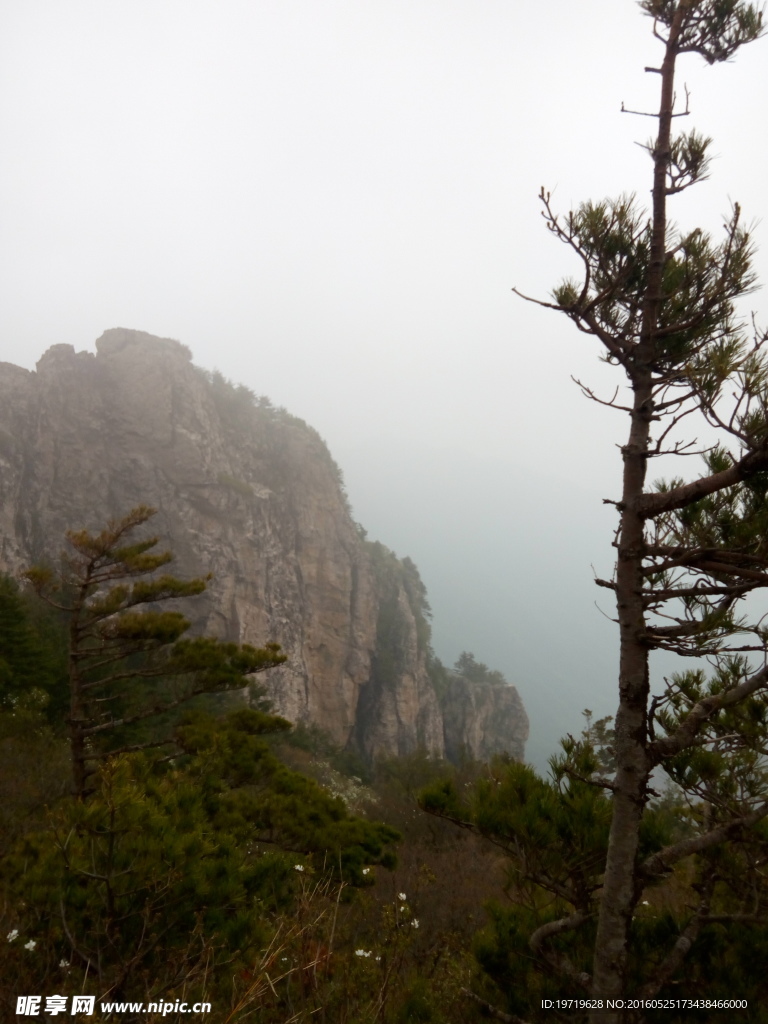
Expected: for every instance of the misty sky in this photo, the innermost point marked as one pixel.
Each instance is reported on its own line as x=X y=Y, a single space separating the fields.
x=330 y=202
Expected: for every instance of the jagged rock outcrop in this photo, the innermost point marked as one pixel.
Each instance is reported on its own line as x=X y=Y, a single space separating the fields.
x=480 y=719
x=247 y=493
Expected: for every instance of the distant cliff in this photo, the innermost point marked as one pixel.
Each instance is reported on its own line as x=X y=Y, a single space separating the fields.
x=250 y=494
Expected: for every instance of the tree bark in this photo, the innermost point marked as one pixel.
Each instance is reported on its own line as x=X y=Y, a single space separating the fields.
x=620 y=893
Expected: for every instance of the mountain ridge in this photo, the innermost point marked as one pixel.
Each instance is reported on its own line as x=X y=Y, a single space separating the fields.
x=250 y=494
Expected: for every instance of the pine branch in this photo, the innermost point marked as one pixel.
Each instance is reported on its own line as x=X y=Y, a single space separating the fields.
x=651 y=505
x=701 y=712
x=660 y=863
x=559 y=963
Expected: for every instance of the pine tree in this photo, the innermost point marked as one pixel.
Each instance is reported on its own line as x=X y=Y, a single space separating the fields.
x=662 y=303
x=176 y=876
x=117 y=643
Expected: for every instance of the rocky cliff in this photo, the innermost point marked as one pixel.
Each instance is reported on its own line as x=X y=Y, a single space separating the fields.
x=250 y=494
x=476 y=715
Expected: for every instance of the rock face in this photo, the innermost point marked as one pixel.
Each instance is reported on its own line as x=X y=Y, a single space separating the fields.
x=250 y=494
x=480 y=720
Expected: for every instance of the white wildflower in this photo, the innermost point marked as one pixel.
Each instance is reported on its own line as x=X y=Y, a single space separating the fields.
x=14 y=934
x=415 y=923
x=362 y=952
x=298 y=867
x=30 y=945
x=366 y=871
x=401 y=896
x=63 y=963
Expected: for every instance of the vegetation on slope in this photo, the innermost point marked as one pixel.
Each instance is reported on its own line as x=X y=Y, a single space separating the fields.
x=252 y=867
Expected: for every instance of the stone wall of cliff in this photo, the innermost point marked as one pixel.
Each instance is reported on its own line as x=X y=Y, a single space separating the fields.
x=479 y=720
x=251 y=495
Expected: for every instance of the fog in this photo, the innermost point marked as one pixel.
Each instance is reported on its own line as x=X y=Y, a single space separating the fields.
x=331 y=202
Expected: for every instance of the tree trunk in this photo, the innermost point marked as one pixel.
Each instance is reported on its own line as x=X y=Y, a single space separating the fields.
x=619 y=894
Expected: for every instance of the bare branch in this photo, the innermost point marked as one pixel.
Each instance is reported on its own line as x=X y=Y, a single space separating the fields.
x=608 y=584
x=589 y=393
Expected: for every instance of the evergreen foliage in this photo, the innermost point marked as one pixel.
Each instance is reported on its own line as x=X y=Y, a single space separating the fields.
x=392 y=627
x=173 y=875
x=554 y=835
x=663 y=304
x=33 y=662
x=325 y=752
x=109 y=589
x=476 y=671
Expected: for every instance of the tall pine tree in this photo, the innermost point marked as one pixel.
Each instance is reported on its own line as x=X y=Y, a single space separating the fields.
x=662 y=304
x=108 y=588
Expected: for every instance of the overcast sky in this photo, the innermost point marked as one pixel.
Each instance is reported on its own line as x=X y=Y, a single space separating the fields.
x=331 y=201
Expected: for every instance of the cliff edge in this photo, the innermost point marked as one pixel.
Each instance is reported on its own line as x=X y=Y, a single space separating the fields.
x=250 y=494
